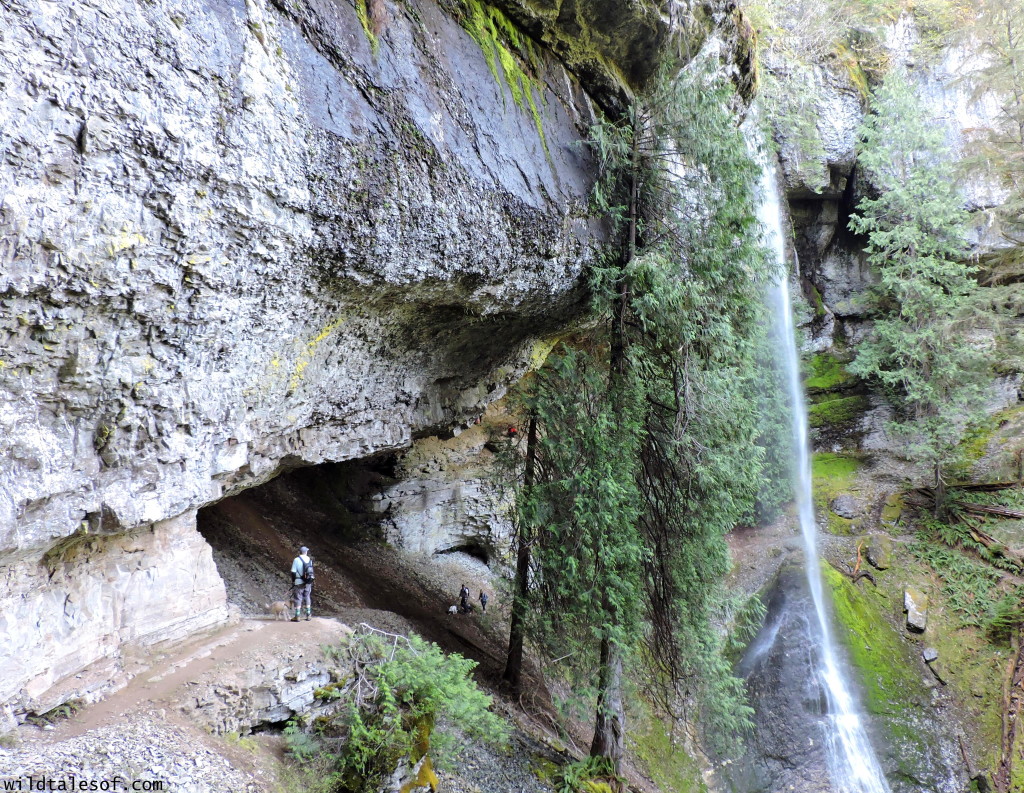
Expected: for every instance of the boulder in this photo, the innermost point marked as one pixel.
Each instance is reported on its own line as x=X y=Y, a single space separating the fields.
x=915 y=603
x=879 y=551
x=847 y=506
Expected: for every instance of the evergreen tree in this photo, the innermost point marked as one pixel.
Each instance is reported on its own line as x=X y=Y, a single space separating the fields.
x=646 y=431
x=997 y=152
x=919 y=348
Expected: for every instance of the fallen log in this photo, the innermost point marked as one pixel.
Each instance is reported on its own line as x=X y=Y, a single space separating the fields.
x=983 y=487
x=997 y=548
x=1013 y=694
x=854 y=576
x=985 y=509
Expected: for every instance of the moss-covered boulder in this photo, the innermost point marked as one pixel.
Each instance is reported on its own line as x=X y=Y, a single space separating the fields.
x=879 y=551
x=827 y=374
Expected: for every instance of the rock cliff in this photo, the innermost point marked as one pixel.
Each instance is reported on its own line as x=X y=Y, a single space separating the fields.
x=817 y=157
x=238 y=237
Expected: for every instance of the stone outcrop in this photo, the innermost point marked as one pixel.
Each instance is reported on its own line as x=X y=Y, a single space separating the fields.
x=817 y=155
x=447 y=498
x=65 y=619
x=261 y=688
x=242 y=236
x=915 y=603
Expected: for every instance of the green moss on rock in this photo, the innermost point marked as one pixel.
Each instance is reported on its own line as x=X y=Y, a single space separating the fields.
x=835 y=413
x=884 y=664
x=892 y=510
x=506 y=51
x=997 y=437
x=834 y=475
x=826 y=373
x=667 y=763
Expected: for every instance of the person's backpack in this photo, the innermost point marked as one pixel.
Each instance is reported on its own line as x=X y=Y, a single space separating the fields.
x=307 y=572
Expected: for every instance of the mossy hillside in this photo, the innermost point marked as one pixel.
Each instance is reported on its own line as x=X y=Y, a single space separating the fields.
x=834 y=475
x=889 y=674
x=885 y=665
x=666 y=762
x=973 y=667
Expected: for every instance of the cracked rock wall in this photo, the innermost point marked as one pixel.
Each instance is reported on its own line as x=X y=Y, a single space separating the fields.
x=236 y=238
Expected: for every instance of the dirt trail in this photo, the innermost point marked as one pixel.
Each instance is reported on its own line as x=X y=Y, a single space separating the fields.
x=163 y=684
x=255 y=536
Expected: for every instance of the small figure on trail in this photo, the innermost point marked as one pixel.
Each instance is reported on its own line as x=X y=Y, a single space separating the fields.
x=512 y=432
x=483 y=601
x=302 y=583
x=464 y=599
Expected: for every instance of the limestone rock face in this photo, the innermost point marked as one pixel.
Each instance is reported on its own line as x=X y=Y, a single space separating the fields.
x=817 y=162
x=262 y=243
x=268 y=690
x=447 y=498
x=236 y=237
x=64 y=620
x=817 y=154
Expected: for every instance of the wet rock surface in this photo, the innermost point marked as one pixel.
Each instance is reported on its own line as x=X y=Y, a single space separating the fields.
x=787 y=750
x=911 y=727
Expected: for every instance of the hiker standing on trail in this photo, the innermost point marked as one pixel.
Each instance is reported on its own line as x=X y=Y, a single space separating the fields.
x=302 y=583
x=483 y=601
x=464 y=599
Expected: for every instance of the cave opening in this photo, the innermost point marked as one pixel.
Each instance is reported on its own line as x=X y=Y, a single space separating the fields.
x=330 y=508
x=338 y=510
x=473 y=549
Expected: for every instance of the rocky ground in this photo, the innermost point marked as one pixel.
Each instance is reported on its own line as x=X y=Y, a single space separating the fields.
x=206 y=715
x=185 y=722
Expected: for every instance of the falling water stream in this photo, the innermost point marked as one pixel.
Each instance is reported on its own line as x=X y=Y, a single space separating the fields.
x=852 y=765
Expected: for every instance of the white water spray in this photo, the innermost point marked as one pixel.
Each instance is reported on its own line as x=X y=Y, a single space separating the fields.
x=852 y=765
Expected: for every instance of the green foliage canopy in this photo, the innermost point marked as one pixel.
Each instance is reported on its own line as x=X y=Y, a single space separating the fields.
x=648 y=445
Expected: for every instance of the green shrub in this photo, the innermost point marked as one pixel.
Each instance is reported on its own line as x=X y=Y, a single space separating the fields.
x=589 y=775
x=405 y=689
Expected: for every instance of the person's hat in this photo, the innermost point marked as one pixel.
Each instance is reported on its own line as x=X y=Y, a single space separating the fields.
x=303 y=549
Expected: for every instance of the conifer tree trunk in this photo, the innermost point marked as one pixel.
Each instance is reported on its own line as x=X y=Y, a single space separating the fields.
x=610 y=721
x=610 y=725
x=941 y=511
x=517 y=630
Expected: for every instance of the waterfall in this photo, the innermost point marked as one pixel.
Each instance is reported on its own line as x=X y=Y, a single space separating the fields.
x=852 y=765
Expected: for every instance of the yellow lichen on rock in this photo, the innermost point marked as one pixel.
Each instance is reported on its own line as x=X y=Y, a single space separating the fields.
x=306 y=356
